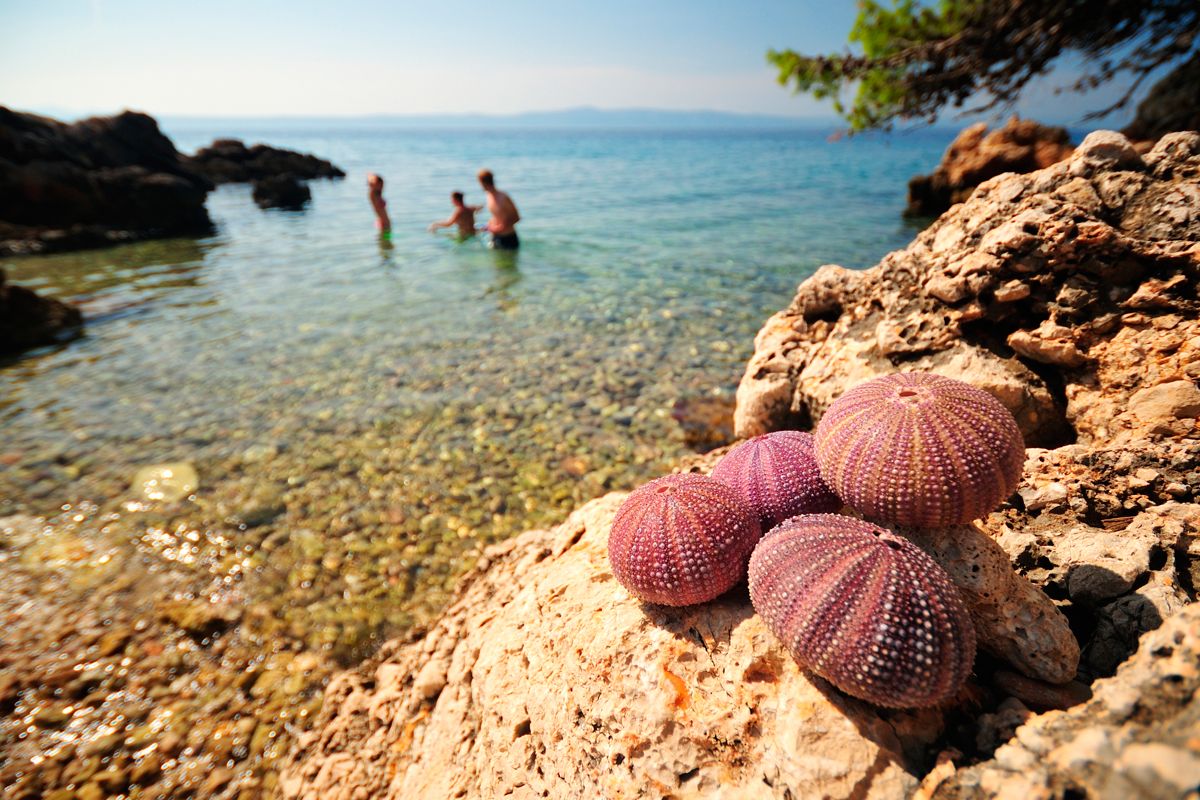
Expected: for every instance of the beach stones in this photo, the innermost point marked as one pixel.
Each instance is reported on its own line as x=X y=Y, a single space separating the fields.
x=682 y=539
x=918 y=449
x=778 y=476
x=864 y=608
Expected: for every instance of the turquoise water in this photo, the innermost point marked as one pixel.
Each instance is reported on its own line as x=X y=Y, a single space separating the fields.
x=715 y=229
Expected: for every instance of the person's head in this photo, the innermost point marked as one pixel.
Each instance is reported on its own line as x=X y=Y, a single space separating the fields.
x=375 y=182
x=457 y=198
x=487 y=180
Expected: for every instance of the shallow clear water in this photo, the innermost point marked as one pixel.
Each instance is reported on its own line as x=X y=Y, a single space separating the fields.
x=661 y=252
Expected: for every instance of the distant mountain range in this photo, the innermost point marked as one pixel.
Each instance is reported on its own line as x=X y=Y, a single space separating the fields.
x=584 y=117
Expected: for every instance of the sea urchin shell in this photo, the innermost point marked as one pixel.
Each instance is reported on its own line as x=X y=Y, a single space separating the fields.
x=681 y=539
x=920 y=449
x=863 y=608
x=777 y=474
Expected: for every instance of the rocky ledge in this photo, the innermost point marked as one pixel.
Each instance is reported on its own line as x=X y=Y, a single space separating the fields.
x=1070 y=293
x=230 y=161
x=975 y=155
x=96 y=182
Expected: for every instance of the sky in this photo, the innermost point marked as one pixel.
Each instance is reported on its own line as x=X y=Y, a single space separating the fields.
x=360 y=57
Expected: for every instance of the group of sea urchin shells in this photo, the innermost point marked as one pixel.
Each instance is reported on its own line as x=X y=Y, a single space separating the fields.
x=856 y=603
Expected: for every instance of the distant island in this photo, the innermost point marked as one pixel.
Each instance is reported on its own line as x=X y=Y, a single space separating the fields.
x=571 y=118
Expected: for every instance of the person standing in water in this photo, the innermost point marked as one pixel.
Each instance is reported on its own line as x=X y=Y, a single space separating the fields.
x=375 y=193
x=463 y=217
x=504 y=213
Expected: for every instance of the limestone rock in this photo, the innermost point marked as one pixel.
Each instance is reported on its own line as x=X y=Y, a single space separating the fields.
x=1064 y=292
x=545 y=678
x=1134 y=738
x=976 y=155
x=1013 y=619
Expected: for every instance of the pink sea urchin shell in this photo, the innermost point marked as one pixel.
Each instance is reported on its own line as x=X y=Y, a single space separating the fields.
x=920 y=449
x=777 y=474
x=681 y=539
x=863 y=608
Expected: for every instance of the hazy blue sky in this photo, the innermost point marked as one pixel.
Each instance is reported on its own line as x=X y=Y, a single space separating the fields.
x=317 y=57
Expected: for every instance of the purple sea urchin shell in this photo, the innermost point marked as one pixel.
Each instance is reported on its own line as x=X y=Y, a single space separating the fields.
x=863 y=608
x=681 y=539
x=920 y=449
x=777 y=474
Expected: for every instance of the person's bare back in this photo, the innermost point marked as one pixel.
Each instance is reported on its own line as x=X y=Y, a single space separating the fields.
x=463 y=217
x=504 y=213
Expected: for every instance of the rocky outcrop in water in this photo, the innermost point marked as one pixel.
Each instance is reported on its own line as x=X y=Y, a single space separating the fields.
x=230 y=161
x=1071 y=295
x=281 y=191
x=975 y=155
x=27 y=320
x=1173 y=104
x=92 y=183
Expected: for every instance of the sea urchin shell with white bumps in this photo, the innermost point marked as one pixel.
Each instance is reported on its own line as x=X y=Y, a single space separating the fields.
x=863 y=608
x=777 y=474
x=682 y=539
x=918 y=449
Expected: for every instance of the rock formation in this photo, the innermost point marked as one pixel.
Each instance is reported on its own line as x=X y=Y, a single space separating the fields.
x=281 y=191
x=230 y=161
x=27 y=320
x=1070 y=294
x=975 y=155
x=1173 y=104
x=95 y=182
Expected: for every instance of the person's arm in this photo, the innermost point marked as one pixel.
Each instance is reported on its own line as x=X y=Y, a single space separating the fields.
x=449 y=223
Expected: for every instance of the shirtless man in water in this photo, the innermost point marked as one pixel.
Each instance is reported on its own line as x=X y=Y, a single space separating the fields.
x=463 y=217
x=504 y=213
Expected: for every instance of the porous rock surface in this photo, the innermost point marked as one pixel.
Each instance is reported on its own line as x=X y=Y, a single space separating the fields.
x=1136 y=737
x=1020 y=145
x=1068 y=293
x=546 y=679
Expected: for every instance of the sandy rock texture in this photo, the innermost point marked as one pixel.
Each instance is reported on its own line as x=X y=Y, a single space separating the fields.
x=975 y=155
x=546 y=679
x=1068 y=293
x=1136 y=737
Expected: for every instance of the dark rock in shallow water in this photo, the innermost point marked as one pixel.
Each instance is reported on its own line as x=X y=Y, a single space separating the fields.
x=975 y=155
x=95 y=182
x=281 y=191
x=27 y=320
x=230 y=161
